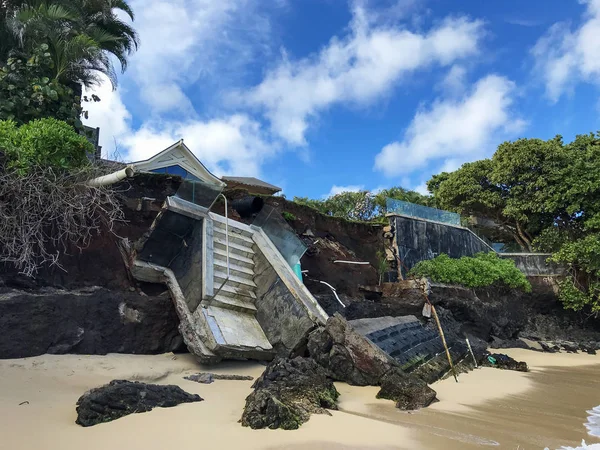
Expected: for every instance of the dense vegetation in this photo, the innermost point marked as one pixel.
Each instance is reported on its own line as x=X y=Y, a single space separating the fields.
x=50 y=48
x=43 y=143
x=481 y=270
x=546 y=194
x=363 y=205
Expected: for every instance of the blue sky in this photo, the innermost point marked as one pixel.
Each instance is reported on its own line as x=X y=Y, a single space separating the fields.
x=321 y=96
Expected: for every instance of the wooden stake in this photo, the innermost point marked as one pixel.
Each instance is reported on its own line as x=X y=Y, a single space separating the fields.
x=439 y=325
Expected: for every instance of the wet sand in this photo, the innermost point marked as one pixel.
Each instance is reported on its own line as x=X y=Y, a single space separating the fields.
x=543 y=408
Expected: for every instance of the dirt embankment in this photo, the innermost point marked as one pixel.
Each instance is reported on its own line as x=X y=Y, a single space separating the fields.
x=100 y=263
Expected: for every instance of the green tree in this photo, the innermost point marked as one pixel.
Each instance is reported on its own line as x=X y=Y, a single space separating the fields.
x=547 y=194
x=27 y=93
x=362 y=206
x=81 y=36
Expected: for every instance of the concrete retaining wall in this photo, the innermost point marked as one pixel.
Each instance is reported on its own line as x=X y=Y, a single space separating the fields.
x=418 y=240
x=286 y=311
x=176 y=243
x=535 y=264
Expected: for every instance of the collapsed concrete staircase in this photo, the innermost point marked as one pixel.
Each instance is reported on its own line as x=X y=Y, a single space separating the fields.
x=234 y=293
x=229 y=298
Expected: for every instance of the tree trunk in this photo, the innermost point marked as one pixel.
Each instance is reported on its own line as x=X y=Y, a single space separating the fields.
x=524 y=238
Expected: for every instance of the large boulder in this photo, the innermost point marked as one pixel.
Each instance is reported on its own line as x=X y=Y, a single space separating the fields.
x=120 y=398
x=287 y=393
x=86 y=321
x=408 y=392
x=347 y=355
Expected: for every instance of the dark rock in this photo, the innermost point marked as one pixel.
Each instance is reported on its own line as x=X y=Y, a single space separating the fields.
x=347 y=355
x=569 y=347
x=354 y=359
x=502 y=361
x=87 y=321
x=287 y=393
x=508 y=343
x=208 y=378
x=408 y=392
x=120 y=398
x=547 y=347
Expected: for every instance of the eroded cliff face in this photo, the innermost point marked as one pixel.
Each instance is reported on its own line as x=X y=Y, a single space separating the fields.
x=93 y=282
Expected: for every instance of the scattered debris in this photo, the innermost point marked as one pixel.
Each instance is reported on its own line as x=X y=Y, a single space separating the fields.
x=120 y=398
x=287 y=393
x=208 y=378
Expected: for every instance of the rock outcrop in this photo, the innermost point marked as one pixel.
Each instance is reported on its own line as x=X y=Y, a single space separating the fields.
x=502 y=361
x=408 y=392
x=287 y=393
x=120 y=398
x=85 y=321
x=350 y=357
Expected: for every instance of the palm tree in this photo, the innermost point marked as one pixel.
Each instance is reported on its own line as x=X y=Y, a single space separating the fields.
x=81 y=36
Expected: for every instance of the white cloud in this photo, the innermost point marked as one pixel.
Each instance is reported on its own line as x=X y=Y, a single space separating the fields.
x=110 y=114
x=422 y=189
x=232 y=144
x=454 y=129
x=356 y=69
x=185 y=40
x=454 y=82
x=335 y=189
x=564 y=57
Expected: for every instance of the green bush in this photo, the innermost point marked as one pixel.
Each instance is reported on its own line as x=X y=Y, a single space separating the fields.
x=483 y=269
x=43 y=143
x=288 y=216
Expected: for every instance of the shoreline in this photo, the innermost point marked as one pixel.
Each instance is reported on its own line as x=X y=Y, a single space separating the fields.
x=486 y=407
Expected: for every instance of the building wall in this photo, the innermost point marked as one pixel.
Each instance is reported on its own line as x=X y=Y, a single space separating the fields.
x=419 y=240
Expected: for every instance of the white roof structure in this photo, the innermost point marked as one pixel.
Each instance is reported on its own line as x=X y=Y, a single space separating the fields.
x=180 y=155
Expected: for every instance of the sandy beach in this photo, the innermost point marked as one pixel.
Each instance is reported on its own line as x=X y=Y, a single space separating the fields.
x=543 y=408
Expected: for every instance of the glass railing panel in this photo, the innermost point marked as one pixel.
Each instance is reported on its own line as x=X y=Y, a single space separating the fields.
x=281 y=234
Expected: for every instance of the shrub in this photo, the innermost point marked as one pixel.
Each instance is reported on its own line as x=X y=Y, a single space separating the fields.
x=288 y=216
x=483 y=269
x=43 y=143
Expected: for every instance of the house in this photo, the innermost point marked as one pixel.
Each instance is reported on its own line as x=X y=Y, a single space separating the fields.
x=179 y=160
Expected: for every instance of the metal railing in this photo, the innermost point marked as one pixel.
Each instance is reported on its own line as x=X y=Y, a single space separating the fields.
x=206 y=196
x=211 y=297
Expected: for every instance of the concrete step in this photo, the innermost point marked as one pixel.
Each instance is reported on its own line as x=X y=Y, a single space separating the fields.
x=240 y=260
x=234 y=280
x=236 y=238
x=235 y=226
x=236 y=304
x=234 y=268
x=238 y=292
x=241 y=250
x=237 y=331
